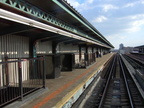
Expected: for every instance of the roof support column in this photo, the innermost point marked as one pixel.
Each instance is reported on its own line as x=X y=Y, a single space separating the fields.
x=100 y=52
x=86 y=49
x=32 y=48
x=86 y=55
x=80 y=54
x=93 y=55
x=97 y=52
x=92 y=49
x=54 y=47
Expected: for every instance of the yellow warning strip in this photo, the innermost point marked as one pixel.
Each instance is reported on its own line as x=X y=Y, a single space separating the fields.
x=66 y=98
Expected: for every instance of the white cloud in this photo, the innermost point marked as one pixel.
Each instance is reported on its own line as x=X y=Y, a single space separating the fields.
x=138 y=16
x=84 y=5
x=135 y=25
x=114 y=19
x=116 y=36
x=133 y=17
x=100 y=19
x=108 y=7
x=134 y=3
x=90 y=1
x=130 y=5
x=132 y=29
x=135 y=22
x=74 y=3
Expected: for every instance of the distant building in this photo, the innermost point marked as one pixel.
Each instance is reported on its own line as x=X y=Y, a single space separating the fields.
x=135 y=50
x=128 y=50
x=121 y=49
x=140 y=49
x=125 y=50
x=121 y=46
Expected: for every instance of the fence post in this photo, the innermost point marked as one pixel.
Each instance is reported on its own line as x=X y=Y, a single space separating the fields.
x=3 y=76
x=44 y=72
x=20 y=79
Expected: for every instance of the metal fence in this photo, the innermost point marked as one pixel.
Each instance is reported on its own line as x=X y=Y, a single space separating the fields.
x=19 y=77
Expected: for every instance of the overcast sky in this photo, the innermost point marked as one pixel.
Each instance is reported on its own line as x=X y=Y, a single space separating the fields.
x=120 y=21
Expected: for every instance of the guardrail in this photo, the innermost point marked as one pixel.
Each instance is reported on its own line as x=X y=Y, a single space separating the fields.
x=19 y=77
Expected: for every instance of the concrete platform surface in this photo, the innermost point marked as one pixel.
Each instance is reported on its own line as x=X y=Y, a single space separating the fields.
x=61 y=89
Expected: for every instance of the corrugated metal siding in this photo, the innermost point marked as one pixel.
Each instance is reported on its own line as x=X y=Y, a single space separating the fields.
x=13 y=71
x=83 y=50
x=82 y=53
x=69 y=48
x=95 y=49
x=89 y=49
x=1 y=84
x=14 y=46
x=44 y=47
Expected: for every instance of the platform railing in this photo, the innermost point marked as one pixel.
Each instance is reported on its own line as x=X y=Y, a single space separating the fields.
x=19 y=77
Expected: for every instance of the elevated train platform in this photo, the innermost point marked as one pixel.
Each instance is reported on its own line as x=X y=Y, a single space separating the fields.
x=49 y=54
x=46 y=44
x=65 y=90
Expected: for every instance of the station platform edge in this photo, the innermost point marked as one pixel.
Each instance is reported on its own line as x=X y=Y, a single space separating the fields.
x=62 y=92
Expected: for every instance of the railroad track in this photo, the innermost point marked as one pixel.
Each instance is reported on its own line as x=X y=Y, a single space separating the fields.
x=120 y=90
x=116 y=88
x=135 y=64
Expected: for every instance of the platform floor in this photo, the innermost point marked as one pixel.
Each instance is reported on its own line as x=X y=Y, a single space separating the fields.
x=60 y=87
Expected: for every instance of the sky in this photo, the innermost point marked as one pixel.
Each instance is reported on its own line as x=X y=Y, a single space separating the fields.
x=120 y=21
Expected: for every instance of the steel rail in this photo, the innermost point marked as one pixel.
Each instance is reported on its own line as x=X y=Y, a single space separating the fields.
x=132 y=62
x=106 y=87
x=126 y=83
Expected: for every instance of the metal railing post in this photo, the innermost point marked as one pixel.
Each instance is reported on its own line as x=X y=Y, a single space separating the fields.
x=3 y=76
x=20 y=79
x=44 y=72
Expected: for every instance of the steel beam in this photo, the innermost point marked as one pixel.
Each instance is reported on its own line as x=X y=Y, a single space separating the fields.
x=36 y=12
x=62 y=6
x=14 y=29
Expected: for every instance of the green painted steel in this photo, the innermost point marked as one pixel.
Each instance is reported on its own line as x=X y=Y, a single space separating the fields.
x=58 y=3
x=36 y=12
